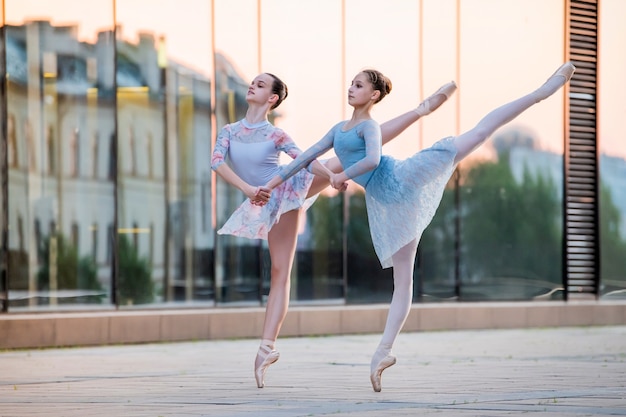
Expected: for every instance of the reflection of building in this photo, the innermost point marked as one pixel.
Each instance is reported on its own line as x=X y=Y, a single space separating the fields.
x=110 y=140
x=61 y=149
x=60 y=152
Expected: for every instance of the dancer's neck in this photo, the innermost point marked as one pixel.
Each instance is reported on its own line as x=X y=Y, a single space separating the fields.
x=256 y=114
x=358 y=115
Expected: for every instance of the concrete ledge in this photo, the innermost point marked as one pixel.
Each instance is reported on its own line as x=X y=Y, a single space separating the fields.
x=114 y=327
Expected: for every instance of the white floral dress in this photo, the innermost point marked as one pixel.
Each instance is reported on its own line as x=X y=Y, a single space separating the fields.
x=253 y=152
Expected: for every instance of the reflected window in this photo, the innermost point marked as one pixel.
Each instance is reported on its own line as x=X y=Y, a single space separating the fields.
x=135 y=235
x=12 y=142
x=109 y=245
x=150 y=158
x=71 y=67
x=112 y=164
x=30 y=143
x=50 y=150
x=20 y=233
x=49 y=65
x=94 y=241
x=75 y=152
x=75 y=233
x=132 y=154
x=205 y=190
x=151 y=243
x=38 y=238
x=94 y=155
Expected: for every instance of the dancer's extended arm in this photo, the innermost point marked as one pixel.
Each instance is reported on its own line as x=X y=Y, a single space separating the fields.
x=303 y=160
x=285 y=143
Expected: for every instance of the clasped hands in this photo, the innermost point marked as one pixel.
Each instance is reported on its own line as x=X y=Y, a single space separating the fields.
x=262 y=194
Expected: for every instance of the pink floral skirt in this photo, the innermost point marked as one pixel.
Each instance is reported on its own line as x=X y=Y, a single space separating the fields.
x=254 y=222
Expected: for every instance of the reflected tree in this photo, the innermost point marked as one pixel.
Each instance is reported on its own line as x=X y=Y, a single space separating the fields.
x=135 y=283
x=435 y=265
x=510 y=230
x=325 y=219
x=367 y=281
x=613 y=247
x=72 y=271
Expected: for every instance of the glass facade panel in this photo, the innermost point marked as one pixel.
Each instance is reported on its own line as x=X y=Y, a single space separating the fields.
x=241 y=264
x=60 y=124
x=437 y=263
x=612 y=149
x=310 y=63
x=164 y=130
x=393 y=48
x=510 y=189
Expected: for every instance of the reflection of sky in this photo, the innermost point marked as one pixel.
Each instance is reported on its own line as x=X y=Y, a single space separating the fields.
x=507 y=49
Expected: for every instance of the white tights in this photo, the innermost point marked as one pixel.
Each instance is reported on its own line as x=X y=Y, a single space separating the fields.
x=403 y=264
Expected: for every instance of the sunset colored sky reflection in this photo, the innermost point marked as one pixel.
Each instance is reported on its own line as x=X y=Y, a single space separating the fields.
x=507 y=48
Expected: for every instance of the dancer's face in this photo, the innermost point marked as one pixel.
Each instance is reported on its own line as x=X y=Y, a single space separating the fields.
x=361 y=92
x=260 y=89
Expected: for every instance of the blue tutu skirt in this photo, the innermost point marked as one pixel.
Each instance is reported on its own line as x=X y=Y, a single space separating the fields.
x=402 y=196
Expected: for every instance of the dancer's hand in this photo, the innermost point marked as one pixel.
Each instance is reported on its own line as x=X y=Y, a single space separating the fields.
x=262 y=196
x=339 y=182
x=259 y=196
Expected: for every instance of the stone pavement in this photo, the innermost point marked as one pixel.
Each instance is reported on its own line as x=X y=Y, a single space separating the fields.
x=568 y=371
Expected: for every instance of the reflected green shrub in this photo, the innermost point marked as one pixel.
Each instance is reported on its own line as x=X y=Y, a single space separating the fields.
x=135 y=285
x=72 y=271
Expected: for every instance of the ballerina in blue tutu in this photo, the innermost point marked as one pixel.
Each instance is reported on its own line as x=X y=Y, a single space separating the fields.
x=402 y=195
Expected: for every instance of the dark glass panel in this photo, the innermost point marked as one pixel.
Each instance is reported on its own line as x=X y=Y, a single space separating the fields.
x=164 y=117
x=61 y=116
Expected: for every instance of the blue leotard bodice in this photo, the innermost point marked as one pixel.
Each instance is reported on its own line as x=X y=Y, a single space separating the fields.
x=358 y=148
x=350 y=148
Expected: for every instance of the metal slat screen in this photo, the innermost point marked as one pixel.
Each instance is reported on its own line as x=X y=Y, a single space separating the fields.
x=581 y=246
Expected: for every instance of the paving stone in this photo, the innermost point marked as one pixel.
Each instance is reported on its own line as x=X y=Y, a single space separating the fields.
x=568 y=371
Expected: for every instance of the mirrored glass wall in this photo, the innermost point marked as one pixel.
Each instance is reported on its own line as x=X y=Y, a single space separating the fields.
x=111 y=111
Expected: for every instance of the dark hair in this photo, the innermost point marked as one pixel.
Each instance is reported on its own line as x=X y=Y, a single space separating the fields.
x=279 y=88
x=379 y=82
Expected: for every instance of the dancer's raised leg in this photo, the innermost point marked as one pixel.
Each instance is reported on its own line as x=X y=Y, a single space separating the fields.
x=392 y=128
x=403 y=264
x=282 y=246
x=470 y=140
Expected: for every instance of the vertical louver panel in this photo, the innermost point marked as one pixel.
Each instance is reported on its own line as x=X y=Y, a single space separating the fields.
x=581 y=249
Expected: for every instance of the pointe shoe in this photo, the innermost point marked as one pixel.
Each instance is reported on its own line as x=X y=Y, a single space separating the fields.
x=376 y=375
x=433 y=102
x=269 y=356
x=566 y=71
x=557 y=80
